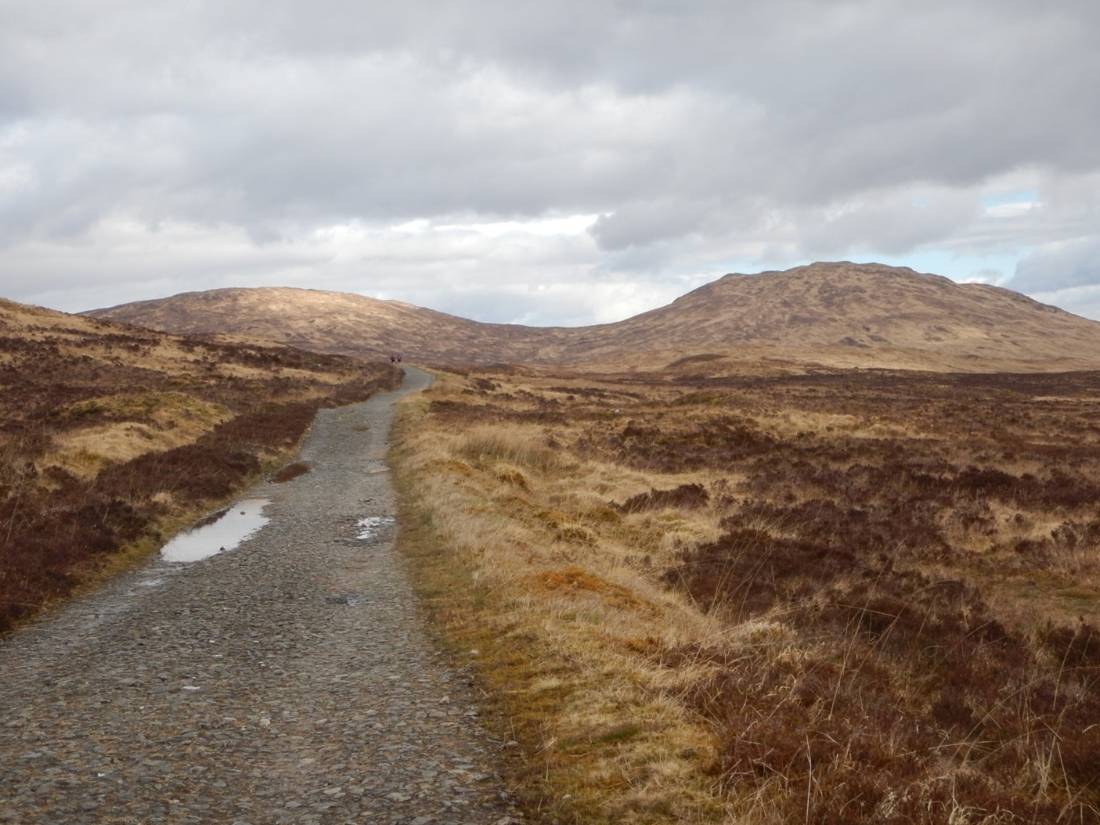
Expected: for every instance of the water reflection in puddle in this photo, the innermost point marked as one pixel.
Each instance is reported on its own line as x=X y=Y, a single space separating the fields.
x=371 y=526
x=224 y=533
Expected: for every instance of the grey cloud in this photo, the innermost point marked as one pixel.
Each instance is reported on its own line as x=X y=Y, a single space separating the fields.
x=892 y=223
x=645 y=223
x=1059 y=266
x=701 y=132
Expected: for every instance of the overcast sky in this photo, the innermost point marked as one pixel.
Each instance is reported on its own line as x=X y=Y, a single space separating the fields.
x=543 y=162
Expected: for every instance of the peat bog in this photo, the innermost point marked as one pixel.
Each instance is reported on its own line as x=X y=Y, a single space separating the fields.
x=877 y=591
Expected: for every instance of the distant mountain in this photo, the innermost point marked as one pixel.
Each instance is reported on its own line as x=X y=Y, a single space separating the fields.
x=831 y=314
x=336 y=322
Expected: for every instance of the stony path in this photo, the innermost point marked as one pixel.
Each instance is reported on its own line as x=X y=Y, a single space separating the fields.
x=287 y=681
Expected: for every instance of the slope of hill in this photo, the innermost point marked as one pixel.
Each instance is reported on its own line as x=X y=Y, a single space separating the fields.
x=842 y=314
x=336 y=322
x=110 y=434
x=832 y=314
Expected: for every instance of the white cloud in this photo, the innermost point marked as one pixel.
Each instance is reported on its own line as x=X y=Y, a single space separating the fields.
x=464 y=154
x=1012 y=209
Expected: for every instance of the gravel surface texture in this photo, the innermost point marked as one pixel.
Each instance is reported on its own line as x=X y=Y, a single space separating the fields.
x=290 y=680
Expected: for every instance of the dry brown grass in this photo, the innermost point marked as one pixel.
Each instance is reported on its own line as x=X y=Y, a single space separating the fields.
x=110 y=437
x=842 y=597
x=488 y=446
x=555 y=624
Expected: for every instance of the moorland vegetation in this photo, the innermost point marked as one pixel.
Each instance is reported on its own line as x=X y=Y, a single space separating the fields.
x=112 y=437
x=819 y=596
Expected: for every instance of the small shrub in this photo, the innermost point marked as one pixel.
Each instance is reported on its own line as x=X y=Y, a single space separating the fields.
x=686 y=496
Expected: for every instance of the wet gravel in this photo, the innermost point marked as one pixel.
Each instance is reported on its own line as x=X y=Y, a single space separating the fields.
x=287 y=681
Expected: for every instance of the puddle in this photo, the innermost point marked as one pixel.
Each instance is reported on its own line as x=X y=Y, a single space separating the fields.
x=222 y=533
x=371 y=526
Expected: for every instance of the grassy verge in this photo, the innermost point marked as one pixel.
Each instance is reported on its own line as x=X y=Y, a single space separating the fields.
x=600 y=737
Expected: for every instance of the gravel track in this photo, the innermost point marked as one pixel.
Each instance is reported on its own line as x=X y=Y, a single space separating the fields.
x=288 y=681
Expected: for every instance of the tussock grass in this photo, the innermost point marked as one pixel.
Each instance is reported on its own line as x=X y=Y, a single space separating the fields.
x=844 y=597
x=519 y=579
x=518 y=446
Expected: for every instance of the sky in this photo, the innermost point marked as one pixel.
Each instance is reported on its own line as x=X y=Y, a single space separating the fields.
x=561 y=162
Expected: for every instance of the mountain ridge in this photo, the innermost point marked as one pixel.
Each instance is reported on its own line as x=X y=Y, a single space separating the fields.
x=830 y=314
